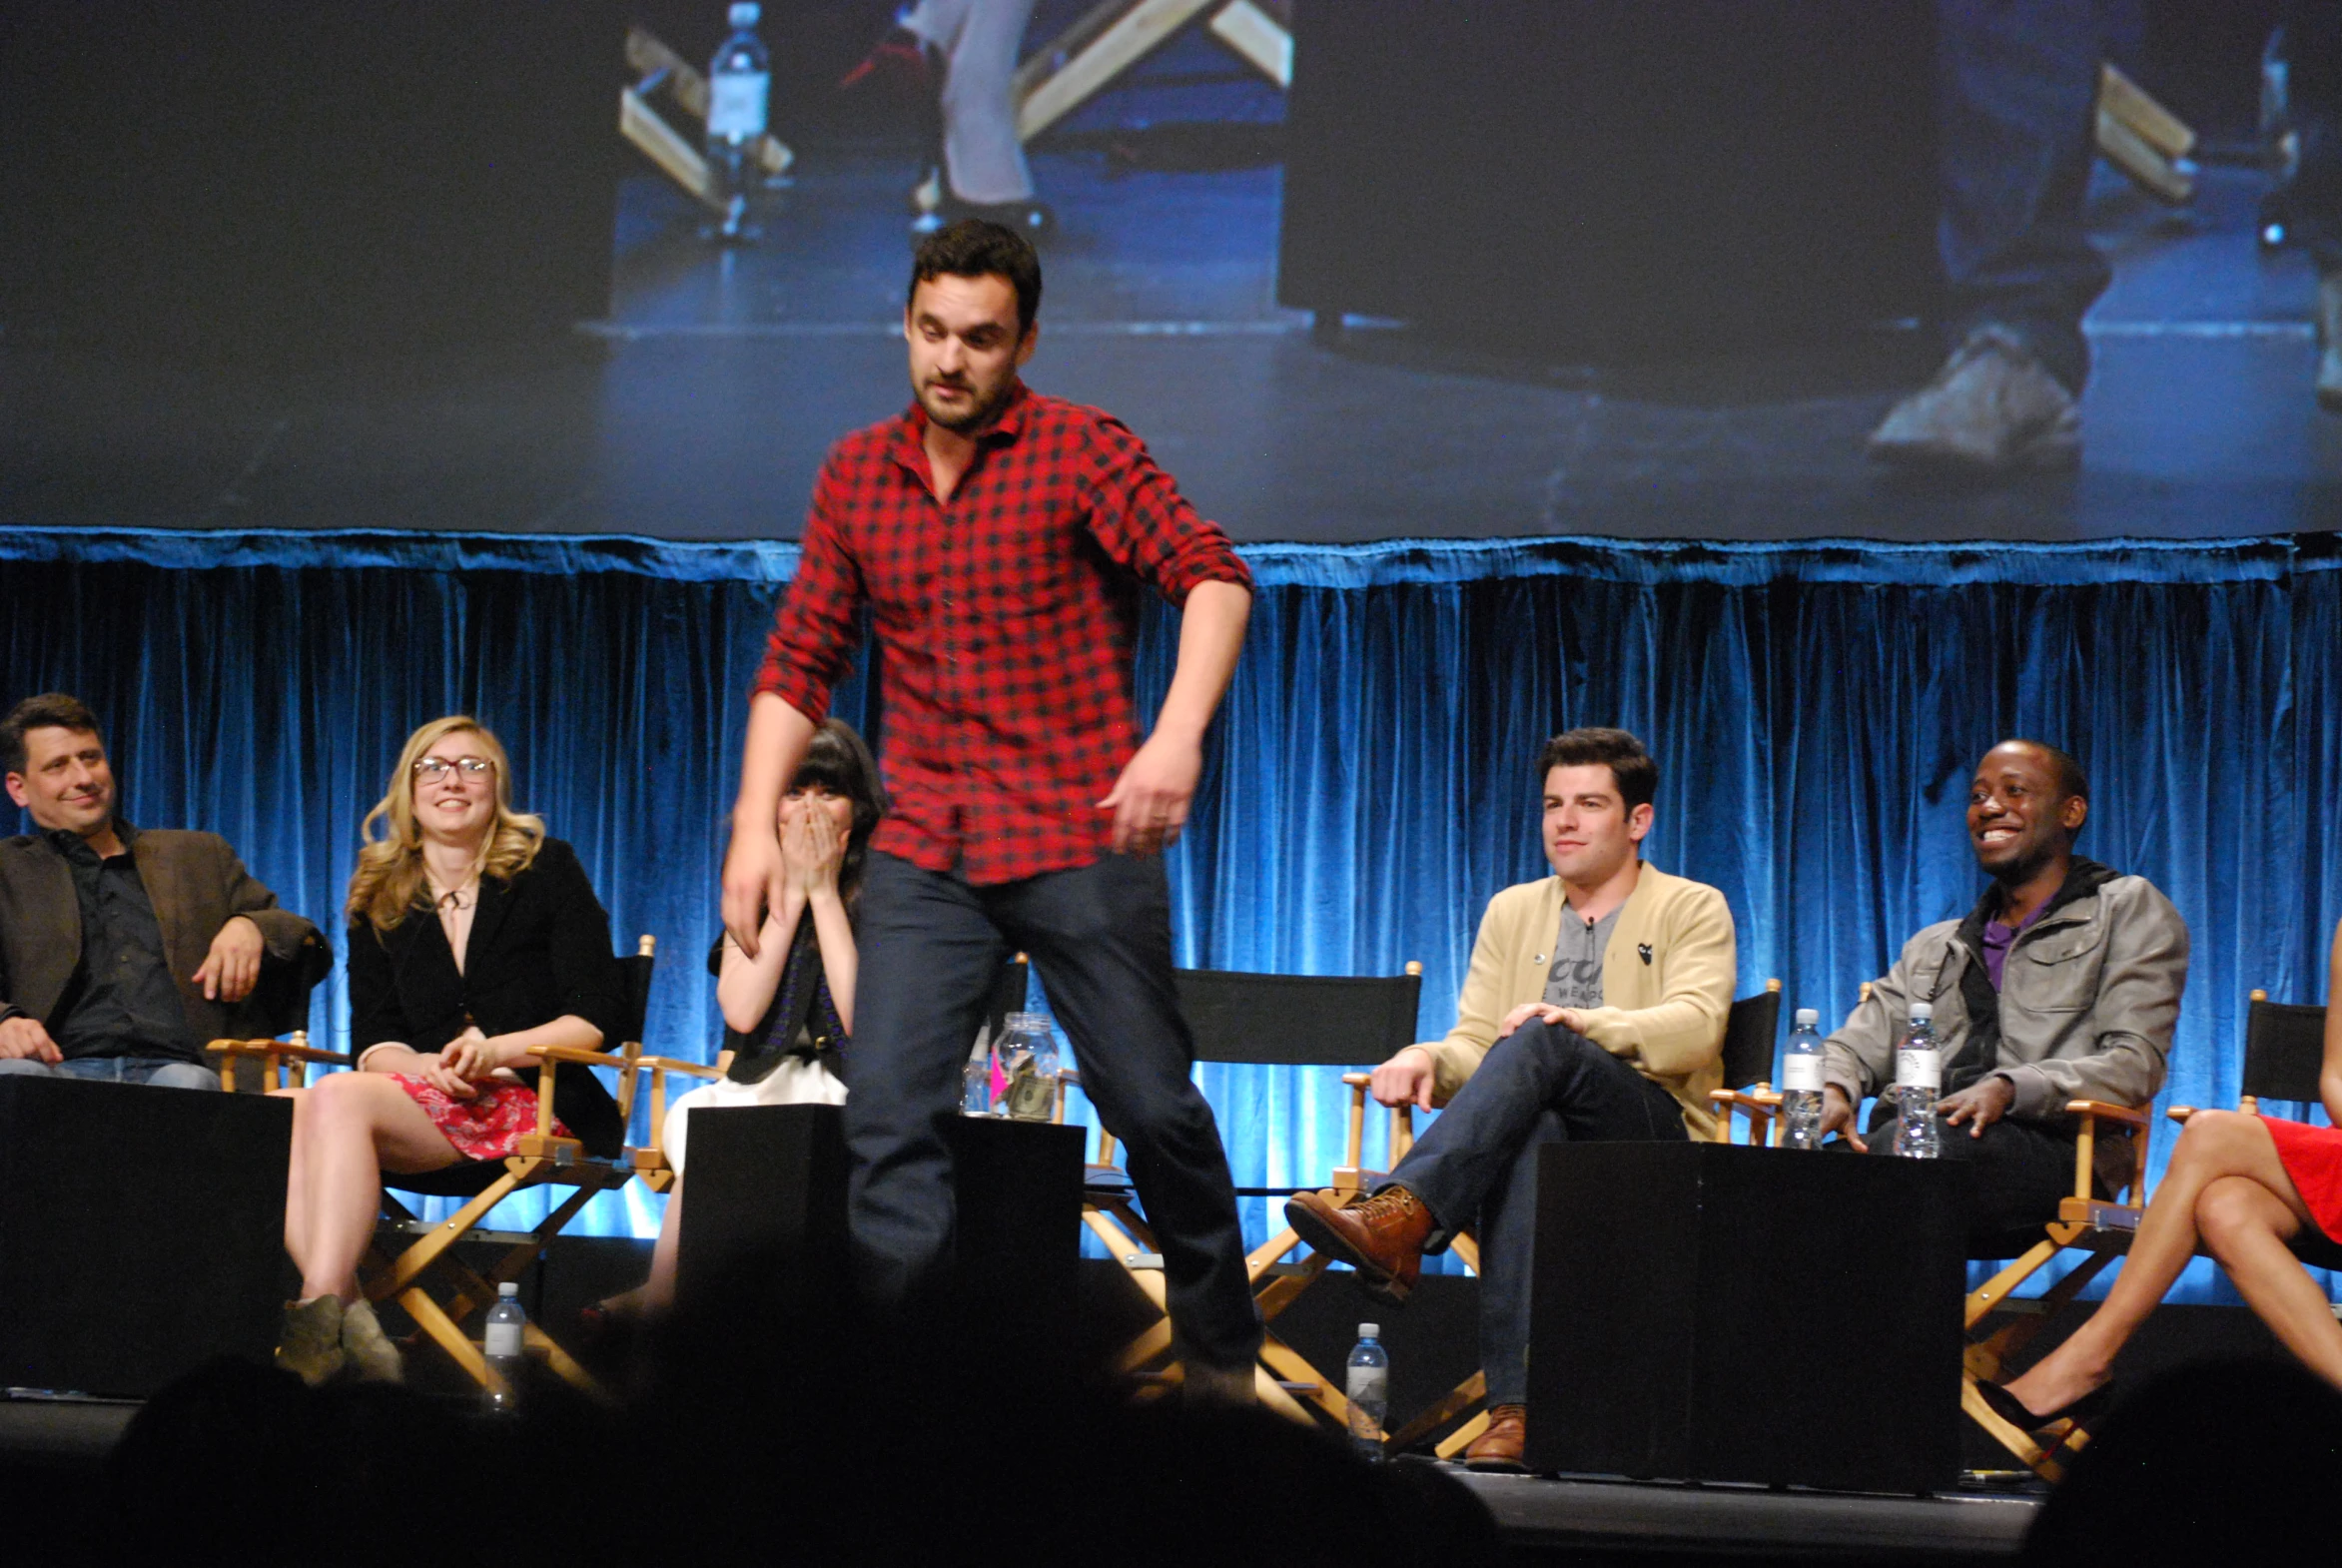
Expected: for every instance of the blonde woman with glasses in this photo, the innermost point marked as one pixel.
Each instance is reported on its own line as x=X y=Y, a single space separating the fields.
x=474 y=936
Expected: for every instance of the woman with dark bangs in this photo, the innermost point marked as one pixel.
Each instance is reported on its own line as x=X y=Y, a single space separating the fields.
x=790 y=1010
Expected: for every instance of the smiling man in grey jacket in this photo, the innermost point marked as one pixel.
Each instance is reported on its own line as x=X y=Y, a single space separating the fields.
x=2061 y=984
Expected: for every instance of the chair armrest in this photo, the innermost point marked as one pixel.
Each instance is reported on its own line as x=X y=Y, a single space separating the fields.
x=1357 y=1080
x=583 y=1058
x=2107 y=1111
x=677 y=1064
x=2179 y=1112
x=281 y=1048
x=1069 y=1077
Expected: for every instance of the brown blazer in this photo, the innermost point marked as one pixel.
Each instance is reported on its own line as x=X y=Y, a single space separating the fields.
x=197 y=885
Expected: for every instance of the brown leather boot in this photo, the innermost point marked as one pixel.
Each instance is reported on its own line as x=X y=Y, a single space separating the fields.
x=1499 y=1448
x=1382 y=1237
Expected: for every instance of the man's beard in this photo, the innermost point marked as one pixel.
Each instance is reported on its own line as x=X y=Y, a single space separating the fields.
x=979 y=413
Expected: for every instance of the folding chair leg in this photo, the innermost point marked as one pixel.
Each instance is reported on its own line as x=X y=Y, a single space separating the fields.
x=563 y=1366
x=1461 y=1438
x=424 y=1253
x=2041 y=1461
x=1283 y=1361
x=446 y=1334
x=1460 y=1398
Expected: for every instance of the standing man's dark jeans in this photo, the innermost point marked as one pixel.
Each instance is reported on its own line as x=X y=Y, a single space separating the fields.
x=1100 y=936
x=1539 y=1085
x=2016 y=127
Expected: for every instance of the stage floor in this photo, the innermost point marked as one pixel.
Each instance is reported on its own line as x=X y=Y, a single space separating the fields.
x=702 y=406
x=58 y=1447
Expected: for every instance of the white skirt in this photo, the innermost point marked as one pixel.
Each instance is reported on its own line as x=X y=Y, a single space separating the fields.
x=797 y=1081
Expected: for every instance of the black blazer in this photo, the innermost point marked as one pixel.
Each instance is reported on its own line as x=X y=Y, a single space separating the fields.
x=539 y=948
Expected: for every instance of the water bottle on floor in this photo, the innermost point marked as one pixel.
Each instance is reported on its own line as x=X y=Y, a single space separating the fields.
x=1367 y=1387
x=1918 y=1078
x=506 y=1322
x=740 y=83
x=1801 y=1083
x=976 y=1077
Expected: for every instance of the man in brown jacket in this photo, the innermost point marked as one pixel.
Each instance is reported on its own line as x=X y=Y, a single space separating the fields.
x=123 y=952
x=1593 y=1008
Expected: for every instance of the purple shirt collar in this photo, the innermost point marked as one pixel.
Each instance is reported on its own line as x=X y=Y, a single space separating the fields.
x=1999 y=939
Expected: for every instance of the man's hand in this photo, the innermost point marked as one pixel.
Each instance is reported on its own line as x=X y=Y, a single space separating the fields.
x=1838 y=1116
x=24 y=1036
x=1407 y=1077
x=753 y=873
x=233 y=967
x=1544 y=1013
x=1150 y=801
x=1980 y=1105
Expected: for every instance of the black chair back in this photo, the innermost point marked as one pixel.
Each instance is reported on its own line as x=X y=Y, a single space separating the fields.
x=2284 y=1046
x=1751 y=1029
x=1008 y=994
x=1299 y=1020
x=634 y=995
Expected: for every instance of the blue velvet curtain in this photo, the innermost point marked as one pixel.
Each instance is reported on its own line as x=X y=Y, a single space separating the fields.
x=1816 y=709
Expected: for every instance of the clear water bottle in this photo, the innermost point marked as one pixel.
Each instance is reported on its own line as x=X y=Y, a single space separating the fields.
x=1801 y=1083
x=1029 y=1061
x=976 y=1077
x=1366 y=1385
x=503 y=1347
x=739 y=87
x=1918 y=1078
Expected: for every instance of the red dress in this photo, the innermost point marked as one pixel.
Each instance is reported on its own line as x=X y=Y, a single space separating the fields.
x=2312 y=1156
x=485 y=1127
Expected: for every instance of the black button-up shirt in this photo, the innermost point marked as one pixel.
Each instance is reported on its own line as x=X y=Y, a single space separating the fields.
x=123 y=1001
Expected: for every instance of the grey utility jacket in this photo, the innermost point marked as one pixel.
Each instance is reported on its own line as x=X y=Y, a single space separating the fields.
x=2089 y=996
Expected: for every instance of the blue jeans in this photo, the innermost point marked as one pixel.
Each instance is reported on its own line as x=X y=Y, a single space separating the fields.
x=1100 y=936
x=2016 y=86
x=1539 y=1085
x=161 y=1072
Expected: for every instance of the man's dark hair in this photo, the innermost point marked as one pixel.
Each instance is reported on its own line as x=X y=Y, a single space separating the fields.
x=973 y=248
x=1614 y=749
x=49 y=711
x=2072 y=783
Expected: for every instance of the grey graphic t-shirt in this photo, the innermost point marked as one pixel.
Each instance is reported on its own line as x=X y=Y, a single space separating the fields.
x=1575 y=980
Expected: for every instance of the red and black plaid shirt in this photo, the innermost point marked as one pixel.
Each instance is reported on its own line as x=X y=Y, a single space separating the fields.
x=1006 y=619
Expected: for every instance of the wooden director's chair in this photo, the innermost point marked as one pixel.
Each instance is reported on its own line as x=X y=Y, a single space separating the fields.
x=2284 y=1047
x=1751 y=1030
x=438 y=1290
x=1272 y=1021
x=1083 y=60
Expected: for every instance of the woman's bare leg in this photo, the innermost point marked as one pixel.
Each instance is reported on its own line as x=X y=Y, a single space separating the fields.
x=2246 y=1226
x=360 y=1125
x=296 y=1221
x=2216 y=1145
x=658 y=1291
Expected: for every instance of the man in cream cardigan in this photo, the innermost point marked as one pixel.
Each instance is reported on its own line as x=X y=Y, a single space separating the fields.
x=1593 y=1008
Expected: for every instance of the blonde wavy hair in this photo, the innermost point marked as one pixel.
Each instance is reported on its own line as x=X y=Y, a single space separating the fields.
x=389 y=884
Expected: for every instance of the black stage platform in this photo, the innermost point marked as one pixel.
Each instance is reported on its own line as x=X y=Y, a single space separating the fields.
x=702 y=406
x=52 y=1450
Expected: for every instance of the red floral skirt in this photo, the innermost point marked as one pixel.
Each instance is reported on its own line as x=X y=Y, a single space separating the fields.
x=2312 y=1156
x=485 y=1127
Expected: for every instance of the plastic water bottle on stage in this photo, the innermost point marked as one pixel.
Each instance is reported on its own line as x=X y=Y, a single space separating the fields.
x=506 y=1322
x=976 y=1077
x=1367 y=1387
x=1919 y=1076
x=1801 y=1083
x=739 y=87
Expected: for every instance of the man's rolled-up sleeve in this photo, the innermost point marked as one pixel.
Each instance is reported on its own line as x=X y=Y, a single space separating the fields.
x=814 y=635
x=1141 y=520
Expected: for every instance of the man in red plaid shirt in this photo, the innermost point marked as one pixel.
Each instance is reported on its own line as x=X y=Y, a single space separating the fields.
x=1000 y=539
